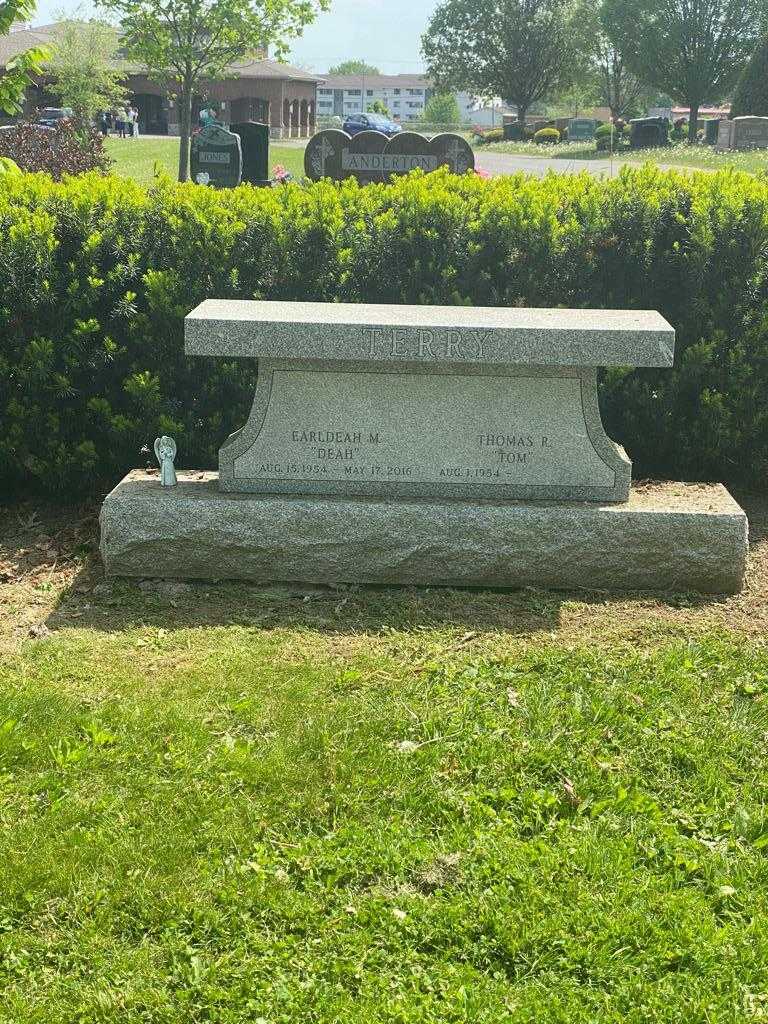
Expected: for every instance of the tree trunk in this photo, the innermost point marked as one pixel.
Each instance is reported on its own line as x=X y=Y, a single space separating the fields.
x=185 y=129
x=693 y=124
x=521 y=112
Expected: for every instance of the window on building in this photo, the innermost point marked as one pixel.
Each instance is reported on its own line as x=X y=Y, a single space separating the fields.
x=397 y=92
x=369 y=92
x=354 y=92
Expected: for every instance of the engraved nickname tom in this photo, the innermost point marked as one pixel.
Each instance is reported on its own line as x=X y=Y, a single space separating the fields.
x=426 y=401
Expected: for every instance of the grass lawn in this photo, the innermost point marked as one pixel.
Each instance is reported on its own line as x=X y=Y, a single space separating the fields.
x=679 y=155
x=140 y=158
x=295 y=804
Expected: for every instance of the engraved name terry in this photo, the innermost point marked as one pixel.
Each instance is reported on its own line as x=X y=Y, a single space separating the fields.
x=425 y=343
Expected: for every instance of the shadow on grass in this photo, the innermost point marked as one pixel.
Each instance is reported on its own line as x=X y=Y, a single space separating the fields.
x=91 y=601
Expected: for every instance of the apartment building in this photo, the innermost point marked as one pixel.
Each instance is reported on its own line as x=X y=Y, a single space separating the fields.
x=404 y=96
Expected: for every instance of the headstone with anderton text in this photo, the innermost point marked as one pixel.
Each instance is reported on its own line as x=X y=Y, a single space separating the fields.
x=216 y=157
x=363 y=158
x=370 y=156
x=426 y=445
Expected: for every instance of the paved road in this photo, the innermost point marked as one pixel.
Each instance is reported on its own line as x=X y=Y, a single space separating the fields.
x=509 y=163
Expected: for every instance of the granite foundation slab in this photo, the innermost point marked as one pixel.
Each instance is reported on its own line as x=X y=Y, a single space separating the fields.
x=668 y=537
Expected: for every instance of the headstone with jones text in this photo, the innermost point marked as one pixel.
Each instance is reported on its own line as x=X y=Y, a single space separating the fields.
x=216 y=157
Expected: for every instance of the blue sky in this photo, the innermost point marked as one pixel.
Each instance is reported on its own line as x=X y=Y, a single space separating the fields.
x=386 y=33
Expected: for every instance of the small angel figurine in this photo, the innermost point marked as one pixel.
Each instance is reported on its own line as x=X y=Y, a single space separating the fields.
x=165 y=450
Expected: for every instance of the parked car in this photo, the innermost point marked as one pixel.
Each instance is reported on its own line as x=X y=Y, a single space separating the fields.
x=49 y=117
x=13 y=127
x=355 y=123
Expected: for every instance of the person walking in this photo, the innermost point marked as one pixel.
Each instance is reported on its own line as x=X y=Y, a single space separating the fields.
x=104 y=123
x=120 y=118
x=134 y=122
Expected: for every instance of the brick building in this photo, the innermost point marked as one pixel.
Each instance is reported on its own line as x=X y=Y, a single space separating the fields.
x=257 y=90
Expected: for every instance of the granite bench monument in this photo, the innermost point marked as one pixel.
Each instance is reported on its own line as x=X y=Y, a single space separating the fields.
x=426 y=445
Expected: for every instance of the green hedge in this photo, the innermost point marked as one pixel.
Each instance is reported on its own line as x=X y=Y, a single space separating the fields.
x=98 y=273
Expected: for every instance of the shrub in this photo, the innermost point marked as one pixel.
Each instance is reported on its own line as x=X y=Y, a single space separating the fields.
x=491 y=135
x=603 y=137
x=65 y=149
x=442 y=108
x=97 y=274
x=546 y=136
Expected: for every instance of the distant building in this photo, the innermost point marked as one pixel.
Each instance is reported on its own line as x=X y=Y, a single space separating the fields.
x=404 y=96
x=257 y=89
x=483 y=113
x=675 y=113
x=713 y=113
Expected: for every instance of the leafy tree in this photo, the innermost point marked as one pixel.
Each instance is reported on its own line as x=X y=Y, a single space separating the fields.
x=573 y=101
x=86 y=72
x=354 y=67
x=693 y=49
x=441 y=108
x=751 y=96
x=613 y=84
x=21 y=69
x=378 y=107
x=521 y=50
x=183 y=42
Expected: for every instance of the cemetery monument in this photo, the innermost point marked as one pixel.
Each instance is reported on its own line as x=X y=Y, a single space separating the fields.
x=743 y=133
x=648 y=132
x=426 y=445
x=215 y=157
x=370 y=156
x=582 y=129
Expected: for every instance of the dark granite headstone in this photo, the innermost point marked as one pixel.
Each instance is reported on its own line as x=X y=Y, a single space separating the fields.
x=216 y=157
x=454 y=152
x=254 y=142
x=408 y=151
x=513 y=131
x=581 y=129
x=370 y=156
x=322 y=157
x=363 y=157
x=711 y=131
x=649 y=132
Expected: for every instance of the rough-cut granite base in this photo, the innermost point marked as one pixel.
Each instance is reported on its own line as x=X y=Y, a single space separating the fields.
x=667 y=537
